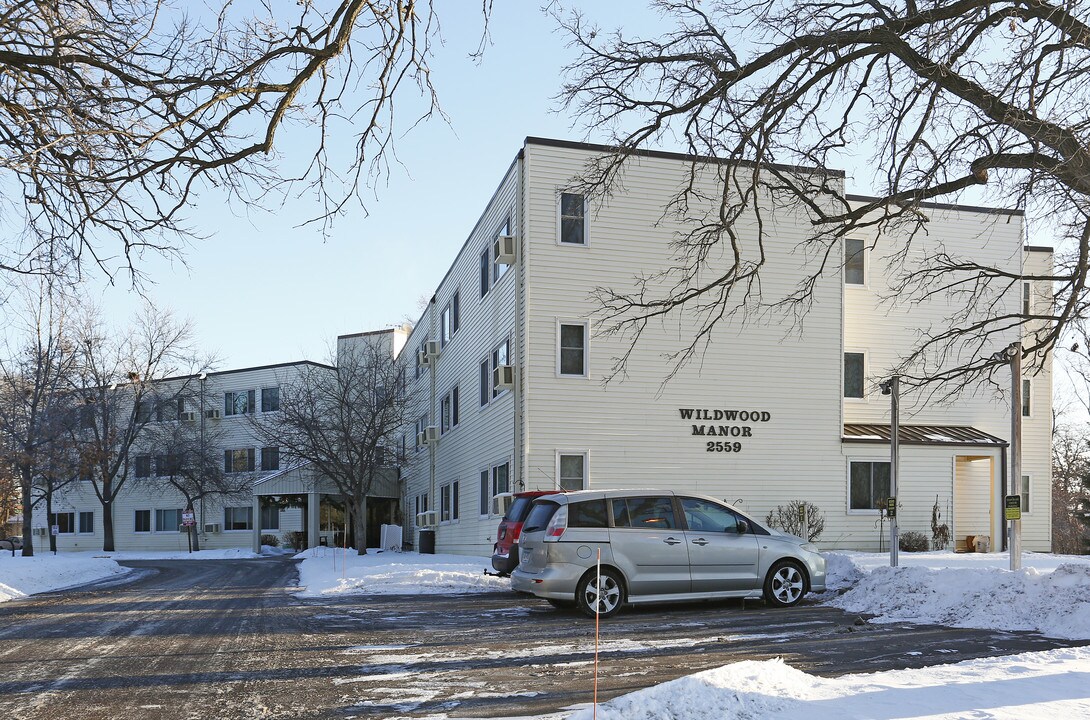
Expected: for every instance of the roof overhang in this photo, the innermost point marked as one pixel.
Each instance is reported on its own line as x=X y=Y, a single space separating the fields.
x=933 y=435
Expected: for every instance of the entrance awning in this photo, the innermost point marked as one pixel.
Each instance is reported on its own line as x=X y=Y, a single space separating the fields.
x=942 y=435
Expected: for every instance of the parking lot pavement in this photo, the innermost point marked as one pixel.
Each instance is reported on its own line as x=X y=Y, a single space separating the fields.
x=226 y=639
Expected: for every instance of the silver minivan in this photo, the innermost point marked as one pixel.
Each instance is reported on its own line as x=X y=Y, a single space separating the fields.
x=657 y=546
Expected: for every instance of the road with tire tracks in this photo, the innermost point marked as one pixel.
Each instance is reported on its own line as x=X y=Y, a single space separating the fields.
x=227 y=639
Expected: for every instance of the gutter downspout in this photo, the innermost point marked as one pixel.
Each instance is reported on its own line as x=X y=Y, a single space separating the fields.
x=521 y=245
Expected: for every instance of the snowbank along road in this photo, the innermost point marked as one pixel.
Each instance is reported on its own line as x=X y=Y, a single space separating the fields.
x=226 y=639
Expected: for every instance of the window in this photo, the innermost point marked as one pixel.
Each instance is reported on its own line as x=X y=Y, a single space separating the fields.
x=854 y=262
x=238 y=403
x=703 y=516
x=645 y=513
x=167 y=465
x=486 y=383
x=853 y=374
x=587 y=514
x=1025 y=493
x=446 y=325
x=1026 y=303
x=270 y=458
x=571 y=472
x=456 y=313
x=87 y=522
x=573 y=219
x=65 y=522
x=500 y=269
x=236 y=461
x=270 y=517
x=498 y=482
x=869 y=485
x=454 y=500
x=1027 y=394
x=143 y=411
x=486 y=273
x=485 y=495
x=572 y=356
x=142 y=465
x=270 y=399
x=444 y=503
x=142 y=521
x=167 y=520
x=238 y=518
x=419 y=353
x=448 y=407
x=500 y=357
x=169 y=410
x=421 y=425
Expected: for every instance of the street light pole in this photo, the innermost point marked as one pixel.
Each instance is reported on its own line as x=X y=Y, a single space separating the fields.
x=892 y=387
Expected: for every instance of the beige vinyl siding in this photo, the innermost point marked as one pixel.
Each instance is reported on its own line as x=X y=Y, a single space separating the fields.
x=1037 y=429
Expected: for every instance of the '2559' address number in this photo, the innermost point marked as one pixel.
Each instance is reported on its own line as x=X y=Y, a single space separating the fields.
x=719 y=446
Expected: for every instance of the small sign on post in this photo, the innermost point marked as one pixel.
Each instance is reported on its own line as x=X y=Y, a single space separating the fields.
x=1012 y=507
x=55 y=530
x=188 y=519
x=891 y=507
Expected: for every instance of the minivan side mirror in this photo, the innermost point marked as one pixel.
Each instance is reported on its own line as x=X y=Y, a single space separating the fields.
x=743 y=527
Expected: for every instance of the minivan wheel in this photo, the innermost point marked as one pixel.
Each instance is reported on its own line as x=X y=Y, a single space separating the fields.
x=785 y=584
x=602 y=595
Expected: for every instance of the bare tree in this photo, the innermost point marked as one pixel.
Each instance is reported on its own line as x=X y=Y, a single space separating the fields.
x=346 y=422
x=10 y=496
x=115 y=116
x=1071 y=490
x=187 y=454
x=944 y=97
x=34 y=373
x=118 y=380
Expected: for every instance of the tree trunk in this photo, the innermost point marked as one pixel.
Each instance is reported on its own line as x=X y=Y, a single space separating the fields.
x=107 y=526
x=193 y=529
x=28 y=510
x=50 y=520
x=359 y=522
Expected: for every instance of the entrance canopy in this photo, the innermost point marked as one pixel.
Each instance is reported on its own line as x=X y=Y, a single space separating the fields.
x=942 y=435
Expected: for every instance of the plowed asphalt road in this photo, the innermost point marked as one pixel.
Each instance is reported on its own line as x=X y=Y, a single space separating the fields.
x=226 y=639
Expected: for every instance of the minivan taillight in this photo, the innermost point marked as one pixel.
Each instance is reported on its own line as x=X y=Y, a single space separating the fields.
x=557 y=525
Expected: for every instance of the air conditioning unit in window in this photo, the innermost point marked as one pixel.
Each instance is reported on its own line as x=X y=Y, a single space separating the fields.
x=501 y=503
x=213 y=414
x=41 y=531
x=503 y=377
x=210 y=528
x=427 y=519
x=430 y=351
x=504 y=250
x=188 y=416
x=429 y=436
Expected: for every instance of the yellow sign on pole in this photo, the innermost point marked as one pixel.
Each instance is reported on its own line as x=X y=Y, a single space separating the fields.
x=1012 y=507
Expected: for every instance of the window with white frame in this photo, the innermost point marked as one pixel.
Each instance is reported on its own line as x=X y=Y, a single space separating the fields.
x=270 y=399
x=65 y=522
x=854 y=369
x=167 y=520
x=486 y=496
x=493 y=482
x=1026 y=301
x=1027 y=397
x=486 y=270
x=1025 y=493
x=238 y=403
x=421 y=503
x=500 y=356
x=855 y=266
x=450 y=320
x=87 y=522
x=571 y=471
x=142 y=521
x=486 y=382
x=238 y=460
x=573 y=218
x=499 y=269
x=448 y=502
x=868 y=484
x=448 y=408
x=238 y=518
x=270 y=517
x=572 y=349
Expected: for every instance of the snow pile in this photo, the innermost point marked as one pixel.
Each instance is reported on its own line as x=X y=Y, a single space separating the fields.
x=223 y=554
x=1030 y=686
x=21 y=576
x=324 y=572
x=1051 y=595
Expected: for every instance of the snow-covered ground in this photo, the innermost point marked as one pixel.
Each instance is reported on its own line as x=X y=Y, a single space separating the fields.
x=20 y=576
x=332 y=571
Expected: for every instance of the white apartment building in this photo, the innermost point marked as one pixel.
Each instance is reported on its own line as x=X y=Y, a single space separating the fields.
x=510 y=366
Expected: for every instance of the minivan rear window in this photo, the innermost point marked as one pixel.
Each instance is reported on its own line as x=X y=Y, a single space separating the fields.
x=649 y=513
x=587 y=514
x=541 y=512
x=518 y=510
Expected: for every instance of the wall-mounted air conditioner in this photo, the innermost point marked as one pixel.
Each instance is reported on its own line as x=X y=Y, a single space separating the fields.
x=429 y=436
x=210 y=528
x=41 y=531
x=213 y=414
x=427 y=519
x=501 y=503
x=503 y=377
x=429 y=352
x=188 y=416
x=504 y=250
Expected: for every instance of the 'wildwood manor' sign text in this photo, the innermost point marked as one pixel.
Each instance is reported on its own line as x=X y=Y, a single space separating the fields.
x=735 y=424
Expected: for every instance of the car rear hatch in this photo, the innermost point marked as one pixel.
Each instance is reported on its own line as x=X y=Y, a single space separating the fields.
x=533 y=550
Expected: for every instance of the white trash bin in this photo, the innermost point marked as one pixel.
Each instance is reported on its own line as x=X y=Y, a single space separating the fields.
x=983 y=543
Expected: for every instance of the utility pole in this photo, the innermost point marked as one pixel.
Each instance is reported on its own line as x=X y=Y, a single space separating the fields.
x=892 y=387
x=1014 y=525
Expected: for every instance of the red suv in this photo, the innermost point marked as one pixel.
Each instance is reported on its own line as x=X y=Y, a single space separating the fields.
x=505 y=553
